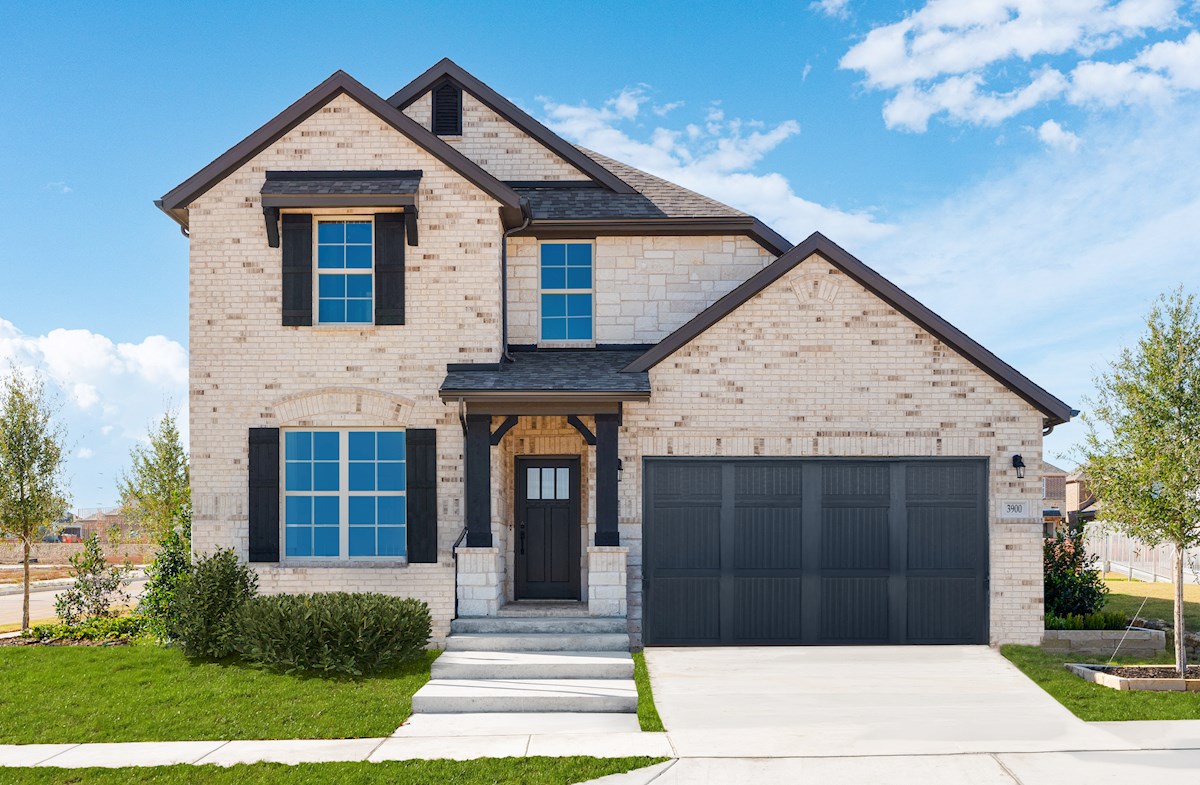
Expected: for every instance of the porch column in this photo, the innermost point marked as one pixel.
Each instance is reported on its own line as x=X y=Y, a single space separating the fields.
x=477 y=468
x=606 y=480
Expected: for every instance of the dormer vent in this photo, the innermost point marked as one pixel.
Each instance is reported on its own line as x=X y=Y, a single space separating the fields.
x=447 y=109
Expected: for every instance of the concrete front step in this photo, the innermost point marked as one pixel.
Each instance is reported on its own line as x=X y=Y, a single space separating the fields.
x=458 y=696
x=546 y=624
x=533 y=665
x=536 y=608
x=538 y=641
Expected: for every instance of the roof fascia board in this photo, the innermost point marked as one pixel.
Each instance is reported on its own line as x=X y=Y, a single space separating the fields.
x=337 y=84
x=448 y=69
x=753 y=228
x=1055 y=410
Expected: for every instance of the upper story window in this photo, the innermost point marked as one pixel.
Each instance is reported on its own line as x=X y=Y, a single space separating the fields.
x=566 y=291
x=344 y=494
x=345 y=253
x=447 y=109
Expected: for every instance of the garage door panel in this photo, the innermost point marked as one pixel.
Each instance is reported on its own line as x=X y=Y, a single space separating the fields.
x=768 y=539
x=855 y=480
x=770 y=481
x=854 y=610
x=688 y=538
x=942 y=481
x=691 y=480
x=943 y=538
x=943 y=609
x=854 y=538
x=683 y=610
x=767 y=609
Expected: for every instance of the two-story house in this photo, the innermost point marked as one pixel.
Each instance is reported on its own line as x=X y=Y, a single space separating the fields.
x=439 y=351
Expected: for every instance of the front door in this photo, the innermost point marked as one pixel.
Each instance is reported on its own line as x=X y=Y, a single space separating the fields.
x=547 y=534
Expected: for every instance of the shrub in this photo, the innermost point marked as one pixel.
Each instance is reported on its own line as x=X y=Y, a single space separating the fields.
x=171 y=563
x=98 y=586
x=1073 y=585
x=95 y=629
x=206 y=603
x=1103 y=620
x=333 y=633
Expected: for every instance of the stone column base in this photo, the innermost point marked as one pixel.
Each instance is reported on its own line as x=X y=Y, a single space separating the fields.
x=480 y=590
x=607 y=581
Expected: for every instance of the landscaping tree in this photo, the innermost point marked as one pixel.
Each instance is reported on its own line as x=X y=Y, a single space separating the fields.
x=98 y=587
x=31 y=463
x=1142 y=449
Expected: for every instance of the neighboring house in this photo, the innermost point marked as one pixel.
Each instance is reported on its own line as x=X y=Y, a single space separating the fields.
x=1054 y=497
x=103 y=523
x=1081 y=504
x=438 y=351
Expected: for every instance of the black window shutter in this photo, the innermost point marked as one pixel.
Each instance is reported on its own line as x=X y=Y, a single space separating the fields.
x=422 y=495
x=447 y=109
x=264 y=494
x=297 y=270
x=389 y=268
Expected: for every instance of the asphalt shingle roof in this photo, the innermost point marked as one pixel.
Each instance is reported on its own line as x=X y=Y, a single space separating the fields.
x=585 y=370
x=339 y=183
x=675 y=201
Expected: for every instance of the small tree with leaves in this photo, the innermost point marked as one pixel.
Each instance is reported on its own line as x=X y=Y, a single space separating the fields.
x=32 y=492
x=1142 y=450
x=99 y=586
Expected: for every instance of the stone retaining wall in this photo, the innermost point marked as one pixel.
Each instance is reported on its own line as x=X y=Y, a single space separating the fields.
x=1191 y=641
x=61 y=552
x=1102 y=643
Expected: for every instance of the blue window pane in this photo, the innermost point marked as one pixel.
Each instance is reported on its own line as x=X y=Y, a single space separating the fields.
x=298 y=477
x=298 y=541
x=325 y=445
x=579 y=305
x=579 y=278
x=554 y=253
x=332 y=311
x=362 y=446
x=331 y=232
x=326 y=510
x=391 y=446
x=331 y=257
x=579 y=329
x=358 y=286
x=358 y=311
x=554 y=277
x=298 y=446
x=325 y=541
x=358 y=232
x=325 y=477
x=331 y=285
x=554 y=305
x=362 y=511
x=358 y=257
x=297 y=510
x=579 y=254
x=554 y=329
x=391 y=476
x=362 y=540
x=362 y=476
x=391 y=541
x=391 y=510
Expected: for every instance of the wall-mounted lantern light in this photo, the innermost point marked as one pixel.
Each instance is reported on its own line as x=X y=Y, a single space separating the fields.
x=1019 y=465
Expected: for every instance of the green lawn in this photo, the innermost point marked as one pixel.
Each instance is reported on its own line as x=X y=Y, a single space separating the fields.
x=647 y=712
x=1093 y=702
x=486 y=771
x=1126 y=596
x=54 y=694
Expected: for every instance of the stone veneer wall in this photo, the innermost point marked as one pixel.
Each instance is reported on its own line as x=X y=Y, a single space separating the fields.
x=817 y=366
x=247 y=370
x=496 y=144
x=646 y=287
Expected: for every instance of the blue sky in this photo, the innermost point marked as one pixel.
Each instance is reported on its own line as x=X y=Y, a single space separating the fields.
x=1027 y=169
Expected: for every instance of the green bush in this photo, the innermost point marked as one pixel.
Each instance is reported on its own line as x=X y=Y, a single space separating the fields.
x=98 y=586
x=1103 y=620
x=100 y=628
x=206 y=603
x=171 y=563
x=1073 y=585
x=333 y=633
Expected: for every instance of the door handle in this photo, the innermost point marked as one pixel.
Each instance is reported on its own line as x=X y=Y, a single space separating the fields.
x=521 y=536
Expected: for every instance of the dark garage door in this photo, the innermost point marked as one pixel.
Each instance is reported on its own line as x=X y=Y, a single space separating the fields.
x=760 y=551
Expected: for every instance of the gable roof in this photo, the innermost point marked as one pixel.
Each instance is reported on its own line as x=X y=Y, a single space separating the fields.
x=1055 y=410
x=175 y=201
x=448 y=69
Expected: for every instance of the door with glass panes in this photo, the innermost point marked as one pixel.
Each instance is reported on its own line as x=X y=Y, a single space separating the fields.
x=547 y=536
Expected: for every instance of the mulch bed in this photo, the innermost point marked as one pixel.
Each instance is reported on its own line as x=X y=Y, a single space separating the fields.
x=1150 y=671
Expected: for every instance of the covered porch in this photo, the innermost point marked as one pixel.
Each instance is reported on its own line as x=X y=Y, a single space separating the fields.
x=541 y=474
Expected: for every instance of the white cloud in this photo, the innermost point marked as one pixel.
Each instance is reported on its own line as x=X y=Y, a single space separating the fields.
x=717 y=157
x=950 y=57
x=839 y=9
x=58 y=187
x=1054 y=135
x=83 y=453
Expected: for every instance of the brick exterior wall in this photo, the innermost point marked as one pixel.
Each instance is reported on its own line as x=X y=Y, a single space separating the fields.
x=817 y=366
x=496 y=144
x=646 y=287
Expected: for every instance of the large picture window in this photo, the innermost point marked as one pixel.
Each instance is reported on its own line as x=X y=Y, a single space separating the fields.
x=345 y=255
x=344 y=494
x=566 y=291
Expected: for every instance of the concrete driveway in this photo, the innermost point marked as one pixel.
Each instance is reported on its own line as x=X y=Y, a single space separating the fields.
x=853 y=701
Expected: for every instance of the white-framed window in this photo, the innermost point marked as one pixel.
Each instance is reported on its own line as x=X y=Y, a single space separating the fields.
x=344 y=494
x=344 y=284
x=566 y=291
